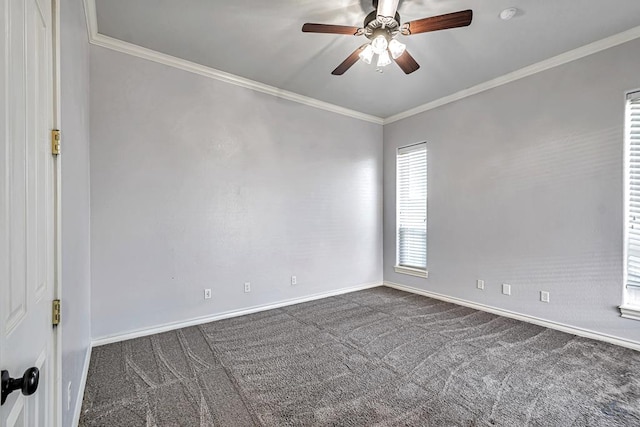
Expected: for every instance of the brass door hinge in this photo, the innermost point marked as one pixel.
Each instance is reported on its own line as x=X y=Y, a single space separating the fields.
x=55 y=142
x=55 y=310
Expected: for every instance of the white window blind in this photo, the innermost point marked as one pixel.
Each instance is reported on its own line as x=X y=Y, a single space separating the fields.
x=412 y=206
x=633 y=225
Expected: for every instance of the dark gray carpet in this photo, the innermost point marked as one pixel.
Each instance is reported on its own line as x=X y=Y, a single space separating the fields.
x=376 y=357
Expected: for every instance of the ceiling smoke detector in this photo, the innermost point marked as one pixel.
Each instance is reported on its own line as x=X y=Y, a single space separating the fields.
x=509 y=13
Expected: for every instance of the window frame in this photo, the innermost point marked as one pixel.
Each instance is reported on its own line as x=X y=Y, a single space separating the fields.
x=405 y=269
x=630 y=307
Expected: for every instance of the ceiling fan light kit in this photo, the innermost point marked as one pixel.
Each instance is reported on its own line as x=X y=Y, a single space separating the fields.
x=382 y=26
x=367 y=54
x=379 y=44
x=396 y=48
x=384 y=59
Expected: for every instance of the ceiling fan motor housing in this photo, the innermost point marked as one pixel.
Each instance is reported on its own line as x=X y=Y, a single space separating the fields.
x=388 y=27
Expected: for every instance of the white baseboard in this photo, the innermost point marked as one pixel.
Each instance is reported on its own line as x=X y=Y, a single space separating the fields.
x=226 y=315
x=586 y=333
x=630 y=311
x=83 y=383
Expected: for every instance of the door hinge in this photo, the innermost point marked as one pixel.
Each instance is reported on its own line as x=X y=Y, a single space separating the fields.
x=55 y=142
x=55 y=310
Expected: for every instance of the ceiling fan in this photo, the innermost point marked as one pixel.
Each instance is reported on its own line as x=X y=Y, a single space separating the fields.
x=382 y=26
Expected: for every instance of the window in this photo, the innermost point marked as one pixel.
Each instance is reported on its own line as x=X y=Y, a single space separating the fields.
x=631 y=305
x=411 y=215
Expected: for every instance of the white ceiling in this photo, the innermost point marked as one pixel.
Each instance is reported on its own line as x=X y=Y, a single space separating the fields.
x=262 y=40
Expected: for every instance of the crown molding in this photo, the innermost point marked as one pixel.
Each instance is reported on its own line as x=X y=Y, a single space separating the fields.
x=92 y=18
x=141 y=52
x=101 y=40
x=192 y=67
x=538 y=67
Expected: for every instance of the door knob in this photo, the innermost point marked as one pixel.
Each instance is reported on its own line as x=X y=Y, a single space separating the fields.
x=28 y=384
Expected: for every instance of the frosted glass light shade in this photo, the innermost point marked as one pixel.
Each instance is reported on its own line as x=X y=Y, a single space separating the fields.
x=396 y=48
x=367 y=54
x=379 y=44
x=383 y=59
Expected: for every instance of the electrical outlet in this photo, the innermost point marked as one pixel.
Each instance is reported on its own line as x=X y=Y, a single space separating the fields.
x=207 y=294
x=69 y=396
x=247 y=287
x=294 y=280
x=480 y=284
x=544 y=296
x=506 y=289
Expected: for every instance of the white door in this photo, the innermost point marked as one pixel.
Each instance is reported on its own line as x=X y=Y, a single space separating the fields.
x=27 y=208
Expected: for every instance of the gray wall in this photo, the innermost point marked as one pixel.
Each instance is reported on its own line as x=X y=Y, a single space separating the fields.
x=199 y=184
x=76 y=273
x=525 y=188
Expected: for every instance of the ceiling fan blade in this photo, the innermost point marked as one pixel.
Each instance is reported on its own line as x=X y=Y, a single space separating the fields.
x=387 y=8
x=330 y=29
x=407 y=63
x=436 y=23
x=348 y=63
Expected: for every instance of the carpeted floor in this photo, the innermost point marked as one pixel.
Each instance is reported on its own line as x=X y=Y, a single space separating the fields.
x=376 y=357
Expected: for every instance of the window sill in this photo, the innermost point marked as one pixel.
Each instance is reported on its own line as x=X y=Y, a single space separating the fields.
x=630 y=311
x=412 y=271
